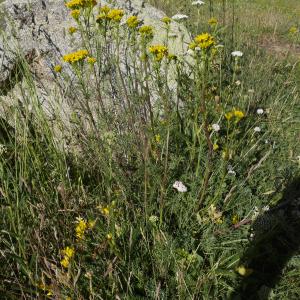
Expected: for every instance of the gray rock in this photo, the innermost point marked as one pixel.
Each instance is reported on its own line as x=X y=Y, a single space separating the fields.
x=39 y=29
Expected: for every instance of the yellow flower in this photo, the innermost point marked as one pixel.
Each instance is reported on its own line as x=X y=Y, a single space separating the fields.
x=65 y=262
x=115 y=15
x=76 y=4
x=146 y=31
x=293 y=30
x=212 y=21
x=91 y=60
x=133 y=22
x=166 y=20
x=109 y=236
x=75 y=56
x=72 y=30
x=243 y=271
x=80 y=228
x=104 y=9
x=215 y=146
x=203 y=41
x=57 y=68
x=159 y=51
x=105 y=210
x=68 y=252
x=108 y=14
x=238 y=114
x=229 y=115
x=235 y=219
x=75 y=13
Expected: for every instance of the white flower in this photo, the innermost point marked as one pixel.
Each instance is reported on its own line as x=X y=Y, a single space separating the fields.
x=265 y=208
x=257 y=129
x=179 y=17
x=238 y=83
x=198 y=3
x=237 y=53
x=197 y=49
x=179 y=186
x=215 y=127
x=260 y=111
x=231 y=171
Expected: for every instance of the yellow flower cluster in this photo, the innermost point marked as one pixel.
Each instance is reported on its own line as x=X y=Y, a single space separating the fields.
x=91 y=60
x=82 y=226
x=68 y=254
x=146 y=31
x=46 y=288
x=237 y=114
x=57 y=68
x=159 y=51
x=77 y=4
x=75 y=13
x=166 y=20
x=133 y=22
x=203 y=41
x=72 y=29
x=109 y=14
x=293 y=30
x=243 y=271
x=75 y=57
x=212 y=21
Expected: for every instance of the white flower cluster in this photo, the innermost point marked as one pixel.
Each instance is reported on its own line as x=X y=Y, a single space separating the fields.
x=180 y=187
x=180 y=17
x=198 y=3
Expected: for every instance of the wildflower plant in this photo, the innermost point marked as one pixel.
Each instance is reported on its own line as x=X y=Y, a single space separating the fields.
x=162 y=162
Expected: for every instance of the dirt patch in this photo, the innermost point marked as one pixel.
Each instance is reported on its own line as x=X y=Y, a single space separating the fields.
x=279 y=47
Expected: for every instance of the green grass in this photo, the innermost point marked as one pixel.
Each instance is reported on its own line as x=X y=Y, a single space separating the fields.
x=114 y=160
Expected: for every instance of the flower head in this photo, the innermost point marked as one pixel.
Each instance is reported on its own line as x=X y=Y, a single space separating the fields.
x=80 y=228
x=107 y=14
x=180 y=17
x=198 y=3
x=75 y=13
x=180 y=187
x=75 y=57
x=91 y=60
x=212 y=21
x=133 y=22
x=72 y=29
x=237 y=54
x=77 y=4
x=260 y=111
x=257 y=129
x=293 y=30
x=215 y=127
x=159 y=51
x=203 y=41
x=166 y=20
x=57 y=68
x=146 y=31
x=243 y=271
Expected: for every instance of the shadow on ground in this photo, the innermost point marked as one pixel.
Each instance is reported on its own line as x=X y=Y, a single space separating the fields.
x=276 y=240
